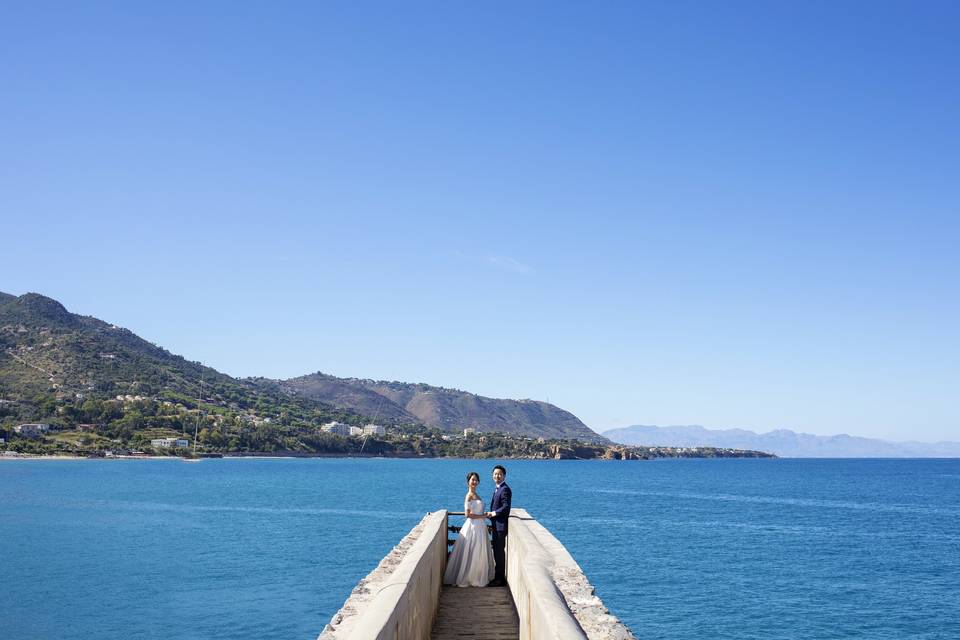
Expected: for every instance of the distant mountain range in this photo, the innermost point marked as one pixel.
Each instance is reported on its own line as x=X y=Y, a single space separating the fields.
x=782 y=442
x=49 y=356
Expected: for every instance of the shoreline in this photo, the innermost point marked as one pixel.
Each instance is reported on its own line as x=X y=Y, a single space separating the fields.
x=274 y=456
x=367 y=457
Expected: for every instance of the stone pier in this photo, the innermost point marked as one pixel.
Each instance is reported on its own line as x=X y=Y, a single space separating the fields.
x=547 y=597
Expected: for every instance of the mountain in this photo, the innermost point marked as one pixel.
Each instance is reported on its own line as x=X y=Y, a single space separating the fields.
x=447 y=409
x=45 y=348
x=782 y=442
x=64 y=368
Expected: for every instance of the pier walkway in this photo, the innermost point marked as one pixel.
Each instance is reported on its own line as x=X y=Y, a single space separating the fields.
x=478 y=614
x=547 y=596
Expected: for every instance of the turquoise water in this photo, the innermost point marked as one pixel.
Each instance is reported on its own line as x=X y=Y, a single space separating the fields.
x=679 y=549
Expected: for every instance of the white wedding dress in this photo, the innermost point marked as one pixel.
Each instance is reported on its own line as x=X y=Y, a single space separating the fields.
x=471 y=562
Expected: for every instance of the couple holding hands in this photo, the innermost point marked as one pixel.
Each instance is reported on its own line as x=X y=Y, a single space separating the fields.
x=474 y=561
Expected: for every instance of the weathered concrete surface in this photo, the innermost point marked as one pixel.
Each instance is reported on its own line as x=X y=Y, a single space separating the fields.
x=477 y=613
x=553 y=597
x=398 y=600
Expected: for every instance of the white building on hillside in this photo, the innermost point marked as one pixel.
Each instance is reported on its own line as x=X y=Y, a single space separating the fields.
x=31 y=430
x=374 y=430
x=170 y=443
x=356 y=431
x=336 y=428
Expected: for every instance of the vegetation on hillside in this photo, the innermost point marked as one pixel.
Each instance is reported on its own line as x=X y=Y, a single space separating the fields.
x=102 y=388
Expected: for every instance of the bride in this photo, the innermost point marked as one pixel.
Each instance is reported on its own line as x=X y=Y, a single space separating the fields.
x=471 y=562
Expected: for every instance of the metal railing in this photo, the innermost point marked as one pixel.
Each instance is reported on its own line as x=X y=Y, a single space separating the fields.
x=452 y=529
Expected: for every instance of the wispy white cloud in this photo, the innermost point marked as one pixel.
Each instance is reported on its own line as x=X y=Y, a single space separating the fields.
x=506 y=263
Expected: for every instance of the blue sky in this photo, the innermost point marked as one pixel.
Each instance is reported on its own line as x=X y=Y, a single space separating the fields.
x=728 y=214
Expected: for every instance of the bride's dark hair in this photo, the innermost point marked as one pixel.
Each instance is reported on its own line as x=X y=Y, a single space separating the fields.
x=471 y=474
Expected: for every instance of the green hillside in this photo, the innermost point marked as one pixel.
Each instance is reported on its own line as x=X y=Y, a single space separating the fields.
x=64 y=369
x=101 y=388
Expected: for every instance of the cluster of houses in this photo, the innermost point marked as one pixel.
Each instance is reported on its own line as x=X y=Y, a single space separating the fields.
x=340 y=429
x=336 y=428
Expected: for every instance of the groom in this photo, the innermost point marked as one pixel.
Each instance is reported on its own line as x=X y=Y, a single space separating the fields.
x=500 y=515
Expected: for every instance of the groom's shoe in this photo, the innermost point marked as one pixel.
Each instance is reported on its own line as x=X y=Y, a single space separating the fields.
x=496 y=583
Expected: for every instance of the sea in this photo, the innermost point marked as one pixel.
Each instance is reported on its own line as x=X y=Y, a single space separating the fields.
x=245 y=548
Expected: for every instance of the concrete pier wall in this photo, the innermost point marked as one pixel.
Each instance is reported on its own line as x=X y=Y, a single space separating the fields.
x=398 y=600
x=554 y=599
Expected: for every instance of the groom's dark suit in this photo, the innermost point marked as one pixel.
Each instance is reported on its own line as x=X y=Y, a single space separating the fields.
x=500 y=506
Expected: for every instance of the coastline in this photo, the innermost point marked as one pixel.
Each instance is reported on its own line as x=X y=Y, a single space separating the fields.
x=281 y=456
